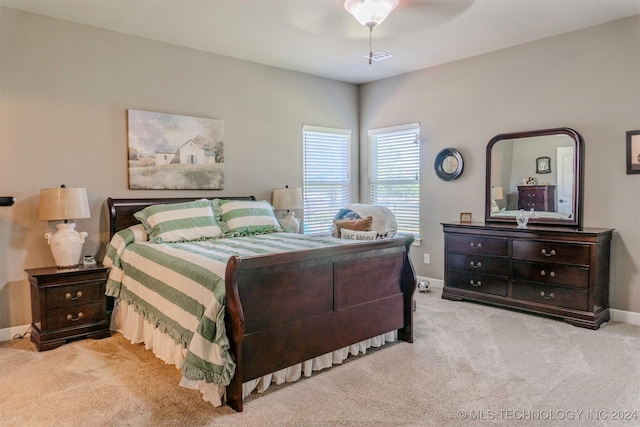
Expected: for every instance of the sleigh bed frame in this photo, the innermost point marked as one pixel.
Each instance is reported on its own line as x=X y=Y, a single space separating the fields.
x=283 y=309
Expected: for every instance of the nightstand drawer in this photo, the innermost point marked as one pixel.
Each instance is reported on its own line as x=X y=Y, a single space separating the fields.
x=65 y=296
x=547 y=251
x=556 y=274
x=74 y=316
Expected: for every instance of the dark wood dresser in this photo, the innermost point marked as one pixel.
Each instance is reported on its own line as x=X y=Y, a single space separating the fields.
x=559 y=272
x=68 y=304
x=537 y=197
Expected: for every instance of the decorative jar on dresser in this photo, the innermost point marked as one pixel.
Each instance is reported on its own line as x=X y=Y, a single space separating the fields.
x=68 y=303
x=555 y=271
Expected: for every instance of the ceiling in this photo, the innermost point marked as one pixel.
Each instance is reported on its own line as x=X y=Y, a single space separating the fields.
x=319 y=37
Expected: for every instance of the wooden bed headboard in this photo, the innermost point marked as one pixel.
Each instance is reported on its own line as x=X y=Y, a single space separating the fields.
x=121 y=210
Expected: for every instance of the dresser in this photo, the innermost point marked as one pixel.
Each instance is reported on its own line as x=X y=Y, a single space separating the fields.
x=68 y=303
x=537 y=197
x=558 y=272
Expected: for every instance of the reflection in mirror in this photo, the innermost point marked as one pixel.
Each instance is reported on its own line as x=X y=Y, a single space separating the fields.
x=538 y=172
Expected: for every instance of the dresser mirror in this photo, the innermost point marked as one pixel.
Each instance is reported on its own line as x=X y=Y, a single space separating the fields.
x=539 y=172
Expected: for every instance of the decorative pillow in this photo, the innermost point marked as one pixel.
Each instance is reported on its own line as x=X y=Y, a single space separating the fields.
x=384 y=222
x=180 y=222
x=358 y=235
x=247 y=217
x=363 y=224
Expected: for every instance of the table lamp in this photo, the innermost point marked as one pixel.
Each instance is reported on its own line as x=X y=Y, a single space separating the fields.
x=65 y=204
x=287 y=199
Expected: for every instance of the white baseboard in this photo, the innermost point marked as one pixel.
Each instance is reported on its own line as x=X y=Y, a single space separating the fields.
x=8 y=333
x=621 y=316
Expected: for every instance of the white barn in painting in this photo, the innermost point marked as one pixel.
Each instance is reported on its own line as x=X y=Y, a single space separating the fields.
x=189 y=153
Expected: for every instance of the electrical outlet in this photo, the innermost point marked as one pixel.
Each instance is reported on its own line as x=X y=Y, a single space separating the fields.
x=427 y=259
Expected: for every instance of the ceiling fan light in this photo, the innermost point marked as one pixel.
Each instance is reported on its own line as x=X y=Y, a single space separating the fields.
x=370 y=12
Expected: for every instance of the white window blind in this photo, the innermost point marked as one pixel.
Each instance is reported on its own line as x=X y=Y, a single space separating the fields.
x=326 y=170
x=394 y=173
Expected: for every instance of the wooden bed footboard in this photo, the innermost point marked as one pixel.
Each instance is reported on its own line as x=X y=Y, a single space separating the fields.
x=304 y=304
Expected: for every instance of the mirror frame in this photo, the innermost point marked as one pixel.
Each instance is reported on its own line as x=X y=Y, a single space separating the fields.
x=578 y=182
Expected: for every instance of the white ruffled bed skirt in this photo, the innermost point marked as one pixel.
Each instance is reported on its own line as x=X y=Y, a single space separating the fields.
x=138 y=330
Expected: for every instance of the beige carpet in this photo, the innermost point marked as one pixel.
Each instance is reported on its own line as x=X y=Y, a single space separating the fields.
x=470 y=365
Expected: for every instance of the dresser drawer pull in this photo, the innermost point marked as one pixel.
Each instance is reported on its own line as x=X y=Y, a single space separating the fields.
x=474 y=284
x=474 y=265
x=75 y=319
x=476 y=245
x=78 y=296
x=544 y=273
x=545 y=253
x=543 y=295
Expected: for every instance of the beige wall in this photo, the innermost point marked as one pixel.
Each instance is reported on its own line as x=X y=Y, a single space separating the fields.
x=64 y=92
x=588 y=80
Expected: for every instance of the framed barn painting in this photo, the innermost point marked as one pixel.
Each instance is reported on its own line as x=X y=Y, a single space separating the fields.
x=172 y=152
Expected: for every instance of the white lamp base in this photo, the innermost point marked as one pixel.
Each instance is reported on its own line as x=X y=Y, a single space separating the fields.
x=290 y=223
x=66 y=245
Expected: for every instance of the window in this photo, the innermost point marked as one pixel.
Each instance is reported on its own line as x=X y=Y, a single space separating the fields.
x=326 y=167
x=394 y=173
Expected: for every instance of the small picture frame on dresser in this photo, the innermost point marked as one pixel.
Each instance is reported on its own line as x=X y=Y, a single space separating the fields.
x=633 y=152
x=465 y=217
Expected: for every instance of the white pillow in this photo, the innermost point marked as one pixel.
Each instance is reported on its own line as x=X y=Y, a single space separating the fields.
x=358 y=235
x=384 y=222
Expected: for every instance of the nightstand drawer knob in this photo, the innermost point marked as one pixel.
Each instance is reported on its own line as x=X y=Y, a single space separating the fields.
x=476 y=245
x=75 y=319
x=545 y=253
x=78 y=296
x=475 y=265
x=474 y=284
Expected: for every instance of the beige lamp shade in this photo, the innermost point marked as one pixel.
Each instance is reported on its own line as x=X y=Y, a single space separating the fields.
x=63 y=204
x=287 y=198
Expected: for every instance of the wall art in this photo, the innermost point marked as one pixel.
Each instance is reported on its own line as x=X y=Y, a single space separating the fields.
x=173 y=152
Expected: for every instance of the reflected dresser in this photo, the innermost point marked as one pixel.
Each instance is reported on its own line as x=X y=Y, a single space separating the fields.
x=554 y=271
x=537 y=197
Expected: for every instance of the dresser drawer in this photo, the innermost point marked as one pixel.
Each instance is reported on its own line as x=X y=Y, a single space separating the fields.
x=478 y=263
x=477 y=245
x=551 y=295
x=556 y=274
x=485 y=283
x=74 y=316
x=549 y=251
x=81 y=293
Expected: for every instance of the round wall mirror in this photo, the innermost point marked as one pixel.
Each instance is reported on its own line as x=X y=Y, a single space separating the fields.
x=448 y=164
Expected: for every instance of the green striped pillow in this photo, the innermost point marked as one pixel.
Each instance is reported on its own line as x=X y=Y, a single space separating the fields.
x=247 y=217
x=180 y=222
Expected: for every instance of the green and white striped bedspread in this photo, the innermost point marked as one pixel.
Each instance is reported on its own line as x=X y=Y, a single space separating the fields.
x=179 y=288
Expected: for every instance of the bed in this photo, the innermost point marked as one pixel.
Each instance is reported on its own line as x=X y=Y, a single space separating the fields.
x=279 y=310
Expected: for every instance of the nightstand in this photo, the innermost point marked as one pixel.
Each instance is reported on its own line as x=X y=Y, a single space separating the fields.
x=68 y=303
